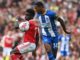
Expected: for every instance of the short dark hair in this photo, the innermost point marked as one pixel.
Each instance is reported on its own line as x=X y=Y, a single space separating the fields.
x=39 y=4
x=31 y=12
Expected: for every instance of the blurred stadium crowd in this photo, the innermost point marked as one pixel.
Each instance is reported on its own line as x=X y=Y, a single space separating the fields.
x=12 y=10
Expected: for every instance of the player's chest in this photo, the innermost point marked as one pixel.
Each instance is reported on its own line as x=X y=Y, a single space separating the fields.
x=65 y=39
x=44 y=19
x=8 y=40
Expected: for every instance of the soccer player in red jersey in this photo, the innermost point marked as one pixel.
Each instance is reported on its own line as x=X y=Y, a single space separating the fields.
x=30 y=29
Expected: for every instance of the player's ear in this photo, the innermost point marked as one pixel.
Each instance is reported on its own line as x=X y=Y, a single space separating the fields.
x=34 y=9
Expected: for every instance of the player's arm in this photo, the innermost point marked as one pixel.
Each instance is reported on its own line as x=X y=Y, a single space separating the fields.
x=2 y=41
x=62 y=24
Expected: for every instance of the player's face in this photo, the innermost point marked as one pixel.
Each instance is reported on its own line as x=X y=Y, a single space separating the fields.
x=38 y=9
x=28 y=16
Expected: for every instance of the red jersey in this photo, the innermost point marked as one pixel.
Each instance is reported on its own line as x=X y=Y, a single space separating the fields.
x=8 y=41
x=30 y=35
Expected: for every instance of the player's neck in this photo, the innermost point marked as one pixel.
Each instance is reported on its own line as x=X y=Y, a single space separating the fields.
x=29 y=19
x=44 y=12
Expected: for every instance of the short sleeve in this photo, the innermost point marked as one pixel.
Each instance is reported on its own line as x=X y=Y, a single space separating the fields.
x=52 y=14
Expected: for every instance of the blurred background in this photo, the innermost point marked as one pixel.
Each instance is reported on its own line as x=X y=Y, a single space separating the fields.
x=12 y=10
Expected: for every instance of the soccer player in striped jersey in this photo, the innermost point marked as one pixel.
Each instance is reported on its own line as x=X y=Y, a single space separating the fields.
x=49 y=33
x=64 y=50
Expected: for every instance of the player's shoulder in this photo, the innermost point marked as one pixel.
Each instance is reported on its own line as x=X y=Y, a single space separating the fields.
x=4 y=37
x=33 y=21
x=50 y=12
x=68 y=36
x=60 y=36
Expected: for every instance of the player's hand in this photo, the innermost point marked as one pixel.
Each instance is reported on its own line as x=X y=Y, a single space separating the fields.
x=70 y=29
x=68 y=32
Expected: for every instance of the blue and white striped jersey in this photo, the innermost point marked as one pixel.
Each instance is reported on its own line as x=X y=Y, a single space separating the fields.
x=47 y=23
x=64 y=42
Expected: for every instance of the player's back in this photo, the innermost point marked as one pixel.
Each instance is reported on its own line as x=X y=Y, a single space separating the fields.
x=30 y=35
x=65 y=42
x=65 y=39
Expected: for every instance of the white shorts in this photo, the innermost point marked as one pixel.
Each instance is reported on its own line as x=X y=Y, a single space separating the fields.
x=6 y=51
x=26 y=47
